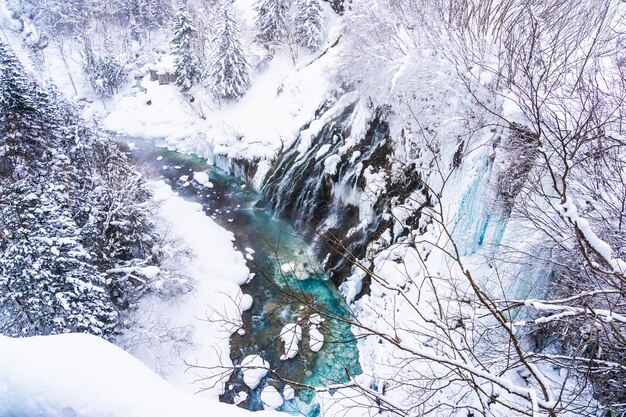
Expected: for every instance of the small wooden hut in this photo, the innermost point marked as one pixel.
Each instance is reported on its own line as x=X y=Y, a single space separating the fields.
x=164 y=72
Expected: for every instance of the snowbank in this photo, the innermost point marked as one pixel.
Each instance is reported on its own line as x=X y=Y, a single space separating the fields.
x=81 y=375
x=193 y=328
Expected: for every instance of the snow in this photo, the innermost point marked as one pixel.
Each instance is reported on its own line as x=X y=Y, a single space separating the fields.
x=246 y=129
x=80 y=375
x=271 y=398
x=331 y=163
x=246 y=302
x=323 y=150
x=316 y=339
x=254 y=370
x=240 y=397
x=297 y=269
x=316 y=319
x=203 y=179
x=168 y=334
x=242 y=129
x=599 y=246
x=149 y=272
x=6 y=19
x=290 y=334
x=288 y=392
x=288 y=268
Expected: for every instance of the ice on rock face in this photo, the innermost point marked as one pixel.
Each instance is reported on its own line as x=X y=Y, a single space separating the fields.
x=316 y=339
x=271 y=398
x=290 y=335
x=254 y=370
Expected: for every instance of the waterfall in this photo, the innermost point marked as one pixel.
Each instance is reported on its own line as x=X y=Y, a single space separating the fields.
x=320 y=184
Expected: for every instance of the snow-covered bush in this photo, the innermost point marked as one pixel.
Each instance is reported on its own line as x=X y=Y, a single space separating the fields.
x=105 y=73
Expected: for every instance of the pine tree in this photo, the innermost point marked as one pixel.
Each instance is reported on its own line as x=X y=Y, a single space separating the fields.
x=50 y=286
x=24 y=132
x=146 y=15
x=105 y=73
x=272 y=20
x=229 y=76
x=309 y=24
x=71 y=208
x=187 y=63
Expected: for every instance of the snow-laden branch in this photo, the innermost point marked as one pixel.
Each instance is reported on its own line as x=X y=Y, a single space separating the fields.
x=602 y=249
x=563 y=311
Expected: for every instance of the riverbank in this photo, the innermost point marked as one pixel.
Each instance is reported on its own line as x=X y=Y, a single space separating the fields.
x=286 y=275
x=169 y=335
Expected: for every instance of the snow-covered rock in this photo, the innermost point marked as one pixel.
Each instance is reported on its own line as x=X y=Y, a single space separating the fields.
x=271 y=398
x=254 y=370
x=316 y=319
x=290 y=335
x=288 y=392
x=246 y=302
x=316 y=339
x=240 y=397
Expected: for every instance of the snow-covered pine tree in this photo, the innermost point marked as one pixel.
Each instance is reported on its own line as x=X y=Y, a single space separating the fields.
x=187 y=63
x=147 y=15
x=309 y=24
x=228 y=74
x=104 y=73
x=71 y=208
x=23 y=132
x=48 y=283
x=271 y=20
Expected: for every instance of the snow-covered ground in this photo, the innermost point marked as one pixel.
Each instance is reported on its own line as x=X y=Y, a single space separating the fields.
x=194 y=328
x=283 y=97
x=79 y=375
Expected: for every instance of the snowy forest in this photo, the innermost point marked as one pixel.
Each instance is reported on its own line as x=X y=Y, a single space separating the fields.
x=331 y=208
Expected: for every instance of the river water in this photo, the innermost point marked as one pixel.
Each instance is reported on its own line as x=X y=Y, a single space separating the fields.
x=280 y=296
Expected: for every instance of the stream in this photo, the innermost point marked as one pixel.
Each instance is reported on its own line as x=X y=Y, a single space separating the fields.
x=289 y=286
